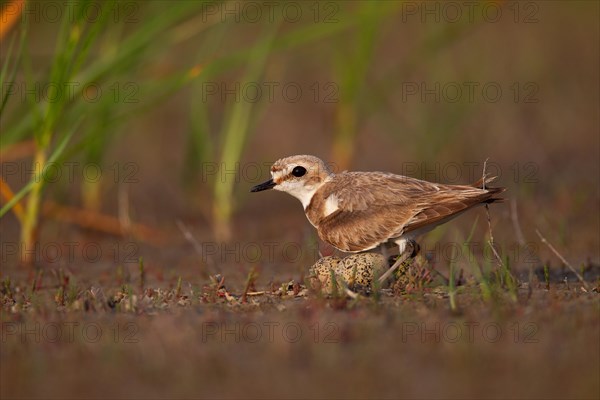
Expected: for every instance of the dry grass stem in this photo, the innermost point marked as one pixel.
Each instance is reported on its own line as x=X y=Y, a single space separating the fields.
x=564 y=261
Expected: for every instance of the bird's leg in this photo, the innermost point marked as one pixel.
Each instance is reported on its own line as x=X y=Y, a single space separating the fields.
x=394 y=267
x=411 y=249
x=415 y=248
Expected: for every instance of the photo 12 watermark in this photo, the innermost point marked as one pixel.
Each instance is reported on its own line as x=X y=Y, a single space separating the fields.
x=464 y=172
x=270 y=91
x=257 y=252
x=470 y=92
x=49 y=11
x=451 y=12
x=439 y=252
x=69 y=332
x=70 y=172
x=117 y=92
x=270 y=332
x=332 y=333
x=253 y=12
x=60 y=253
x=468 y=332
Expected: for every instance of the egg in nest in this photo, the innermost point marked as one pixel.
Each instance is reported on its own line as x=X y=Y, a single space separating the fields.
x=357 y=271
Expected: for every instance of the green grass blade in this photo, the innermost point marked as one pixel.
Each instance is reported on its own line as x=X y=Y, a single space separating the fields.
x=41 y=175
x=235 y=134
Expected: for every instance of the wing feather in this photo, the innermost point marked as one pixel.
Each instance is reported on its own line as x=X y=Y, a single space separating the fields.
x=374 y=207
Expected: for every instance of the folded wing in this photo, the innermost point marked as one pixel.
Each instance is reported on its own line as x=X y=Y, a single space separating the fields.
x=373 y=207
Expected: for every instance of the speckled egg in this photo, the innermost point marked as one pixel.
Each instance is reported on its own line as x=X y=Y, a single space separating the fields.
x=320 y=273
x=357 y=271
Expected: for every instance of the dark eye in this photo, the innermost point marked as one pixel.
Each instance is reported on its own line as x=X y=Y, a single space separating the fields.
x=299 y=171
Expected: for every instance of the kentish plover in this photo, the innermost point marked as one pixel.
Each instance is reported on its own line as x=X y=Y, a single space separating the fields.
x=360 y=211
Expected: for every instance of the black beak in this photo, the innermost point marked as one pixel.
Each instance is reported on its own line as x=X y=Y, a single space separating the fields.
x=263 y=186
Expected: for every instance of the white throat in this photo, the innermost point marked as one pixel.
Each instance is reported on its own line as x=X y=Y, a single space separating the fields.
x=299 y=191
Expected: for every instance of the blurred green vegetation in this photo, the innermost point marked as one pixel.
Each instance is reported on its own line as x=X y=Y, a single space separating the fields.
x=152 y=61
x=89 y=54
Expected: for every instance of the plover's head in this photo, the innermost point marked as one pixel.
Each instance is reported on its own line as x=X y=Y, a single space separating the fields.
x=299 y=176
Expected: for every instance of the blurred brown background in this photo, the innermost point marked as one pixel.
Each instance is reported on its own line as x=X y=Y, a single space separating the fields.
x=178 y=108
x=429 y=90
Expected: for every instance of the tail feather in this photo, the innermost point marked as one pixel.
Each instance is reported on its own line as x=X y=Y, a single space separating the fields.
x=448 y=205
x=492 y=191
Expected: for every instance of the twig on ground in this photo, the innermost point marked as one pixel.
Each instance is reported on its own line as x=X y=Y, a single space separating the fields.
x=349 y=292
x=489 y=219
x=189 y=237
x=256 y=293
x=102 y=223
x=564 y=261
x=187 y=234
